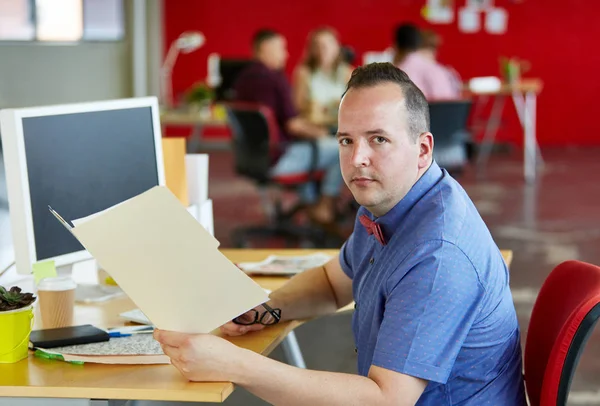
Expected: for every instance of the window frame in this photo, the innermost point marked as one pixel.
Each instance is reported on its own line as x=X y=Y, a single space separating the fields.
x=35 y=41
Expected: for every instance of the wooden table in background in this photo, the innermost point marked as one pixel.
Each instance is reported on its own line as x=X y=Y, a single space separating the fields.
x=41 y=378
x=194 y=120
x=524 y=95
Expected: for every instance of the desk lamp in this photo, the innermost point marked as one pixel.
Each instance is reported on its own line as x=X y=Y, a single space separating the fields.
x=187 y=42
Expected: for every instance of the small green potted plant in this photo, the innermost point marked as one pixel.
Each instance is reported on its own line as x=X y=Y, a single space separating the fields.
x=16 y=320
x=513 y=68
x=199 y=98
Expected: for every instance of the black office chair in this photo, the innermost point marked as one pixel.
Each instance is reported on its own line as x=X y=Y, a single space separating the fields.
x=229 y=70
x=255 y=145
x=450 y=134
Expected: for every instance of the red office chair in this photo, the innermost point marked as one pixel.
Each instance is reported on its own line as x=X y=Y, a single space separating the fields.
x=564 y=315
x=256 y=146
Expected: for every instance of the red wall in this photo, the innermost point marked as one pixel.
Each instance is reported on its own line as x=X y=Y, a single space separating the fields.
x=558 y=37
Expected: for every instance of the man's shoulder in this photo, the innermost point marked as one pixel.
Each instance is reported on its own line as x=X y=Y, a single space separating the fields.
x=443 y=210
x=254 y=72
x=256 y=83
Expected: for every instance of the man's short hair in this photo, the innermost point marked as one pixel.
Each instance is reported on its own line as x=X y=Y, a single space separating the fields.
x=408 y=37
x=415 y=102
x=261 y=36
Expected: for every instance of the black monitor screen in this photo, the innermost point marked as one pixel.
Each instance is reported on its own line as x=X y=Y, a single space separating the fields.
x=229 y=70
x=83 y=163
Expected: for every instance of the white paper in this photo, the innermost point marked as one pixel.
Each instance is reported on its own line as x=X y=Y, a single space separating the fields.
x=135 y=315
x=285 y=265
x=206 y=216
x=496 y=21
x=438 y=12
x=196 y=166
x=469 y=20
x=168 y=264
x=479 y=5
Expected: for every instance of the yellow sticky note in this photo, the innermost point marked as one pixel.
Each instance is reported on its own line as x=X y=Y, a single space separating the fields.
x=45 y=269
x=110 y=281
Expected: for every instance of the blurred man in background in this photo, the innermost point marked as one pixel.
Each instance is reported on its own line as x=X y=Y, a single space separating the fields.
x=264 y=82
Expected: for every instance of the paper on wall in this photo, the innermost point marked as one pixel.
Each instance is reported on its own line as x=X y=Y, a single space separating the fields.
x=469 y=20
x=479 y=5
x=496 y=21
x=438 y=11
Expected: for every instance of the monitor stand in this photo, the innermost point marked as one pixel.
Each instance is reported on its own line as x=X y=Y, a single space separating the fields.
x=64 y=270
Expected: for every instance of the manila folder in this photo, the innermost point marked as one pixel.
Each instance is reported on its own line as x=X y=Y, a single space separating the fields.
x=168 y=264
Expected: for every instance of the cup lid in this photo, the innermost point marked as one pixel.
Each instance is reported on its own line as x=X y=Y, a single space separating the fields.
x=57 y=283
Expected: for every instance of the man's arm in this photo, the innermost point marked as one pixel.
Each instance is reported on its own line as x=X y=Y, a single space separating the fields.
x=312 y=293
x=205 y=357
x=300 y=89
x=281 y=384
x=302 y=128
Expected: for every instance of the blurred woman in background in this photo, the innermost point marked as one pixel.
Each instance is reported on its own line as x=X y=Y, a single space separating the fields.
x=320 y=80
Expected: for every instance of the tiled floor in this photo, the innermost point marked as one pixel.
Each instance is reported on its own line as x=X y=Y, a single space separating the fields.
x=555 y=220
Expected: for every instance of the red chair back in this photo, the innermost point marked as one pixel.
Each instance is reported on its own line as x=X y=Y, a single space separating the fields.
x=564 y=315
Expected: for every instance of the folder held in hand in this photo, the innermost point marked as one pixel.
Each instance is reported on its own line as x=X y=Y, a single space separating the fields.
x=167 y=263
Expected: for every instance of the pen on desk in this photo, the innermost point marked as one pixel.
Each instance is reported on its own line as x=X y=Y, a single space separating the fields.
x=116 y=334
x=129 y=329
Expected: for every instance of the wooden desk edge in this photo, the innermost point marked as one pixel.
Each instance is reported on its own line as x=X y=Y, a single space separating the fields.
x=118 y=393
x=508 y=257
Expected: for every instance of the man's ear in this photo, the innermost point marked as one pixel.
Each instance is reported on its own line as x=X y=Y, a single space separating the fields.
x=425 y=142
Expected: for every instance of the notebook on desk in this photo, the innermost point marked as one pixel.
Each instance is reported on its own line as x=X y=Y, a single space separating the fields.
x=167 y=263
x=135 y=349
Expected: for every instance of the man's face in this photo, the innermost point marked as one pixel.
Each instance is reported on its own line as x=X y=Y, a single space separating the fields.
x=379 y=159
x=273 y=52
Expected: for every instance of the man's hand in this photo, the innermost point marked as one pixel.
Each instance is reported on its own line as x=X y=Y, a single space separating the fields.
x=208 y=358
x=232 y=329
x=199 y=357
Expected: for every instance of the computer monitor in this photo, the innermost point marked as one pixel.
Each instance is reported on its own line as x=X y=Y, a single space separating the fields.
x=229 y=70
x=79 y=159
x=7 y=253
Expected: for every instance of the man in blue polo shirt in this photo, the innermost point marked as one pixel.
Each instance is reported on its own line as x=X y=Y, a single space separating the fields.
x=434 y=322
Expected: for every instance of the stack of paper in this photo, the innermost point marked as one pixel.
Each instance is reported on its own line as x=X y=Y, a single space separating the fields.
x=284 y=265
x=167 y=263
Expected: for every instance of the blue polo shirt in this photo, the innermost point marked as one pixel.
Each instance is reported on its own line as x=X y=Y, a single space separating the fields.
x=435 y=303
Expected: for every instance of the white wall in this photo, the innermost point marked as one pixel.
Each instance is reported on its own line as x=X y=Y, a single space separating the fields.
x=155 y=44
x=32 y=74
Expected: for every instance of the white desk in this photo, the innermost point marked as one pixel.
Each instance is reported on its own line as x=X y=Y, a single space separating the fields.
x=524 y=96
